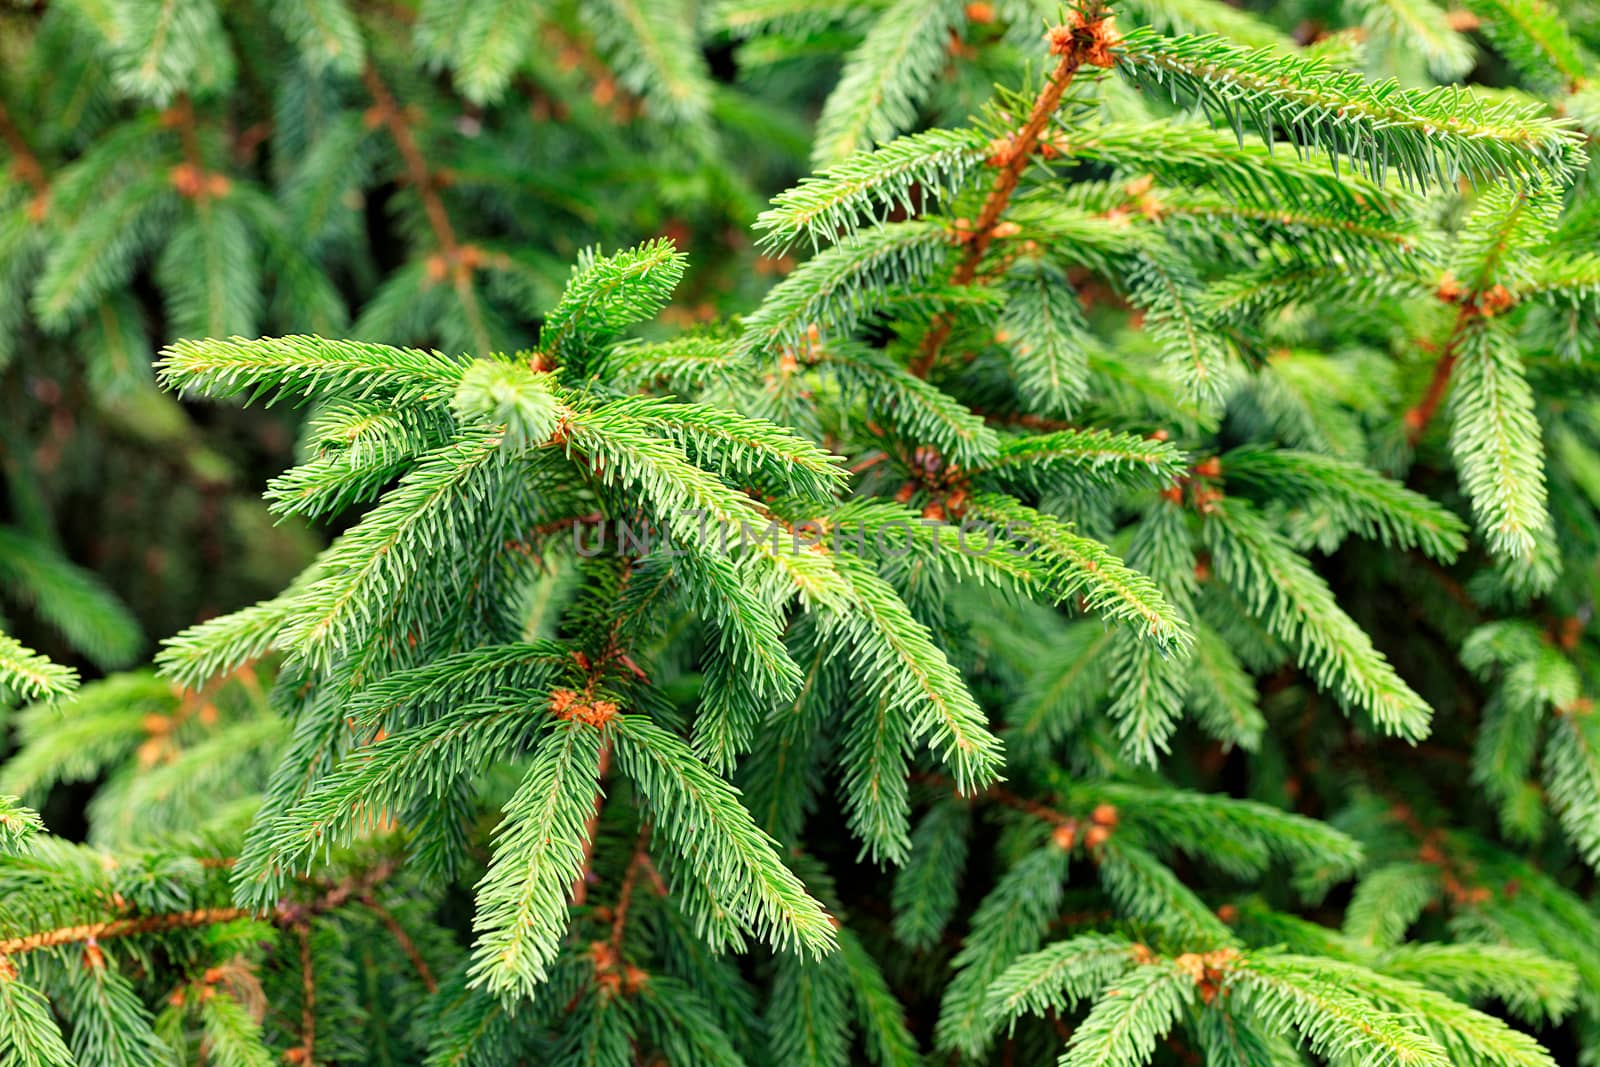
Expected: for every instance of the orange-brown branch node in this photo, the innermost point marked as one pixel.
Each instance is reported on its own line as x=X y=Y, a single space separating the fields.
x=1207 y=969
x=195 y=183
x=568 y=704
x=1092 y=36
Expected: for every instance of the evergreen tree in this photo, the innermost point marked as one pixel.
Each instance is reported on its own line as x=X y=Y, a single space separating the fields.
x=1123 y=597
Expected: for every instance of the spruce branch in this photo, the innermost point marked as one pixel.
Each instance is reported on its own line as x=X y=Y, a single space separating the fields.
x=1049 y=341
x=326 y=32
x=908 y=174
x=1350 y=496
x=1147 y=890
x=1289 y=991
x=164 y=46
x=700 y=817
x=28 y=1031
x=917 y=691
x=539 y=855
x=834 y=291
x=1497 y=442
x=908 y=405
x=884 y=78
x=1421 y=25
x=652 y=48
x=1081 y=568
x=608 y=293
x=28 y=676
x=1296 y=605
x=288 y=913
x=17 y=824
x=285 y=366
x=1060 y=976
x=1012 y=920
x=1122 y=1029
x=1245 y=168
x=482 y=44
x=1097 y=457
x=1423 y=136
x=70 y=599
x=1163 y=285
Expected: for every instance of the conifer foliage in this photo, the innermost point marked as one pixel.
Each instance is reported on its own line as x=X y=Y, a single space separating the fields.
x=1120 y=595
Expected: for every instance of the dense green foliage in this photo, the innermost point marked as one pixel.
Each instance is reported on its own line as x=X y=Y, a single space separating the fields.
x=799 y=532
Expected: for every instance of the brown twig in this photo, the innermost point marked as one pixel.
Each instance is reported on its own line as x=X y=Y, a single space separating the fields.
x=24 y=162
x=1417 y=419
x=183 y=118
x=1003 y=797
x=636 y=866
x=457 y=260
x=1087 y=40
x=336 y=896
x=190 y=177
x=580 y=888
x=288 y=914
x=308 y=1000
x=143 y=924
x=421 y=178
x=408 y=946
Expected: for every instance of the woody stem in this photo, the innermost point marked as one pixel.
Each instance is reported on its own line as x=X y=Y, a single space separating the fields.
x=423 y=181
x=1019 y=152
x=580 y=888
x=1417 y=419
x=26 y=163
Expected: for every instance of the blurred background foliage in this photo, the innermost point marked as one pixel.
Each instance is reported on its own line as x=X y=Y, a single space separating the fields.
x=404 y=173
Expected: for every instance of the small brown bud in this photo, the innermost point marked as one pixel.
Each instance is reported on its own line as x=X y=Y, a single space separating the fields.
x=1495 y=301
